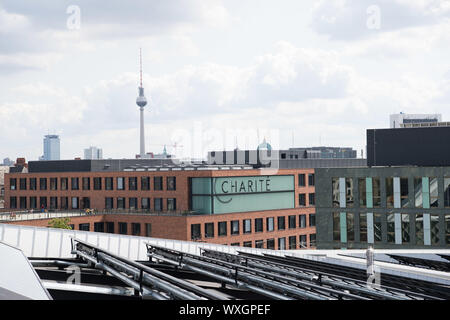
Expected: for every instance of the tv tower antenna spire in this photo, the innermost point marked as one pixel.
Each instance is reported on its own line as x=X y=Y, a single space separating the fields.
x=141 y=101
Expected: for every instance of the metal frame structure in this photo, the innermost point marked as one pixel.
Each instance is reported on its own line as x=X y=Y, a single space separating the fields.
x=280 y=277
x=422 y=263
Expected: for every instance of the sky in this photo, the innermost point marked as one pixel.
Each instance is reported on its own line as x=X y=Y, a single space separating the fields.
x=217 y=74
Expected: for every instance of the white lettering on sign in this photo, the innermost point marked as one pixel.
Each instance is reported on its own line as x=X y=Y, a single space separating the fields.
x=251 y=185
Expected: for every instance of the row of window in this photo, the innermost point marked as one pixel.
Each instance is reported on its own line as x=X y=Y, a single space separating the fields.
x=248 y=225
x=291 y=243
x=399 y=226
x=99 y=183
x=85 y=203
x=396 y=192
x=302 y=199
x=302 y=180
x=109 y=227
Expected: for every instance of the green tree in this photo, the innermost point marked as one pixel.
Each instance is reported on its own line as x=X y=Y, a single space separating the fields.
x=60 y=223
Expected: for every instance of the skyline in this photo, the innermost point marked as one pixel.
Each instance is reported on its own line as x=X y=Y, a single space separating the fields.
x=291 y=67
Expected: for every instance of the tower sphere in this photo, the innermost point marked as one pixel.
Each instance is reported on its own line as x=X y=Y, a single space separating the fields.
x=141 y=101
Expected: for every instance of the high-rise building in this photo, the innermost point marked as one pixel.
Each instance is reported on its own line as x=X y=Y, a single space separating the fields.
x=51 y=147
x=92 y=153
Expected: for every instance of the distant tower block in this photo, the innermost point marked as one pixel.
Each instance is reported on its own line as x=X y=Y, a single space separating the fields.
x=141 y=101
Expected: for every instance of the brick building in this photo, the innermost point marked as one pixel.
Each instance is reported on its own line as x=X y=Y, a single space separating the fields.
x=234 y=205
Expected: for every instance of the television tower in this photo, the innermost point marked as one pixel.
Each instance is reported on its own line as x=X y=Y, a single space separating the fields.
x=141 y=101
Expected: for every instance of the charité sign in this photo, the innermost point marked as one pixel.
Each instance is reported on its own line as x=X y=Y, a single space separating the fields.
x=245 y=185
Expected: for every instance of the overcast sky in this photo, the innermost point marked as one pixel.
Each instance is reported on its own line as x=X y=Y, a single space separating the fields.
x=216 y=73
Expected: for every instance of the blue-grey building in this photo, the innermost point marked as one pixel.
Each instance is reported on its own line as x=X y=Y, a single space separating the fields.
x=51 y=147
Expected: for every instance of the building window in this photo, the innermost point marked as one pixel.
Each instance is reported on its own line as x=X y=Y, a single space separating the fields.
x=434 y=195
x=132 y=203
x=120 y=183
x=312 y=240
x=132 y=183
x=209 y=230
x=312 y=220
x=404 y=192
x=301 y=180
x=270 y=224
x=235 y=244
x=312 y=199
x=109 y=203
x=350 y=226
x=64 y=203
x=53 y=183
x=303 y=243
x=145 y=203
x=171 y=204
x=281 y=223
x=271 y=244
x=311 y=180
x=336 y=192
x=84 y=226
x=42 y=183
x=97 y=183
x=74 y=202
x=336 y=226
x=247 y=226
x=376 y=192
x=23 y=183
x=292 y=222
x=349 y=197
x=64 y=183
x=235 y=227
x=145 y=183
x=419 y=229
x=86 y=183
x=32 y=183
x=302 y=200
x=99 y=227
x=53 y=202
x=74 y=183
x=259 y=244
x=292 y=242
x=72 y=226
x=157 y=183
x=390 y=192
x=123 y=228
x=377 y=227
x=195 y=232
x=171 y=183
x=13 y=202
x=259 y=225
x=85 y=203
x=362 y=192
x=33 y=203
x=434 y=229
x=281 y=243
x=418 y=192
x=363 y=227
x=247 y=244
x=447 y=192
x=110 y=227
x=148 y=229
x=43 y=202
x=13 y=184
x=120 y=203
x=447 y=229
x=390 y=227
x=406 y=229
x=136 y=229
x=302 y=220
x=158 y=204
x=222 y=228
x=109 y=183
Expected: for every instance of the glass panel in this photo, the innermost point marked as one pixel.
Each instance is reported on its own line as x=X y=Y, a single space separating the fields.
x=120 y=185
x=418 y=200
x=270 y=224
x=434 y=199
x=349 y=192
x=336 y=226
x=434 y=229
x=302 y=218
x=447 y=228
x=390 y=192
x=281 y=223
x=259 y=225
x=292 y=242
x=419 y=228
x=350 y=227
x=281 y=243
x=222 y=228
x=247 y=226
x=405 y=228
x=363 y=227
x=209 y=230
x=404 y=192
x=362 y=192
x=195 y=232
x=447 y=192
x=391 y=228
x=377 y=227
x=376 y=191
x=235 y=227
x=336 y=193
